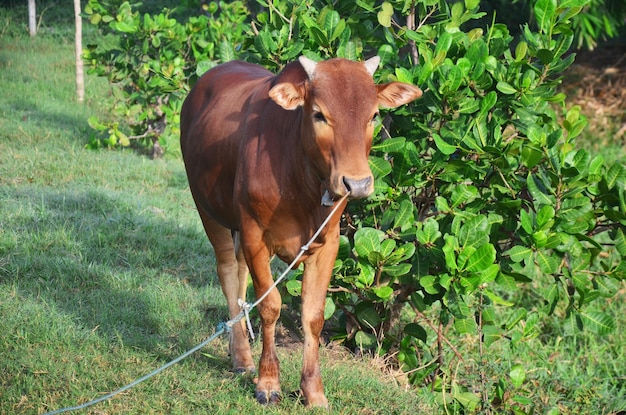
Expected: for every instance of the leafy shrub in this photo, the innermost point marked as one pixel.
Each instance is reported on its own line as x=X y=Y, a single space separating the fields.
x=595 y=22
x=485 y=216
x=153 y=59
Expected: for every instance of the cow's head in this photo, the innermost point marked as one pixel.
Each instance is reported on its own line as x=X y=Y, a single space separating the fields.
x=340 y=102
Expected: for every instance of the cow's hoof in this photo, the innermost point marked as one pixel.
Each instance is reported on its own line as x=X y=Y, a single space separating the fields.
x=317 y=404
x=317 y=400
x=265 y=398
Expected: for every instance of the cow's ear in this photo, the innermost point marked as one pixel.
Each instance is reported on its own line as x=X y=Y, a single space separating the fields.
x=394 y=94
x=288 y=95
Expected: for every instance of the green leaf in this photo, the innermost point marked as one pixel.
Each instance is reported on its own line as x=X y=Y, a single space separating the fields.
x=404 y=75
x=496 y=299
x=620 y=242
x=429 y=284
x=389 y=145
x=384 y=293
x=482 y=258
x=443 y=43
x=465 y=325
x=404 y=216
x=462 y=194
x=488 y=102
x=204 y=66
x=417 y=331
x=538 y=191
x=124 y=27
x=329 y=308
x=386 y=53
x=344 y=247
x=544 y=12
x=545 y=56
x=365 y=5
x=367 y=315
x=573 y=324
x=548 y=263
x=598 y=322
x=402 y=253
x=491 y=333
x=505 y=88
x=518 y=315
x=443 y=146
x=319 y=37
x=521 y=50
x=520 y=253
x=265 y=44
x=226 y=51
x=595 y=167
x=387 y=247
x=348 y=51
x=616 y=174
x=122 y=138
x=467 y=400
x=397 y=270
x=531 y=156
x=367 y=240
x=330 y=21
x=429 y=232
x=380 y=167
x=469 y=106
x=366 y=275
x=294 y=287
x=517 y=375
x=450 y=249
x=442 y=204
x=385 y=14
x=365 y=340
x=545 y=217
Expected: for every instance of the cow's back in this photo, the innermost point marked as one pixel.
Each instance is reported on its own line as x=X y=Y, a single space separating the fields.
x=212 y=118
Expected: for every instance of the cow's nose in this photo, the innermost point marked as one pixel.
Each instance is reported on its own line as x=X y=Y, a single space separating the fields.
x=358 y=188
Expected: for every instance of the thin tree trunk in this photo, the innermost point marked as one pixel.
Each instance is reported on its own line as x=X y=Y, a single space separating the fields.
x=32 y=18
x=80 y=74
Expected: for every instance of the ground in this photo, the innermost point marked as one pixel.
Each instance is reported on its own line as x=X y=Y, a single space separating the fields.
x=597 y=83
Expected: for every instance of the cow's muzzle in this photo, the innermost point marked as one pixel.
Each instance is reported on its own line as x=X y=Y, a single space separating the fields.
x=358 y=188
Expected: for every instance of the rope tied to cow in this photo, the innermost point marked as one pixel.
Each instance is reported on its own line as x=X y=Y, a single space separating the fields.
x=222 y=327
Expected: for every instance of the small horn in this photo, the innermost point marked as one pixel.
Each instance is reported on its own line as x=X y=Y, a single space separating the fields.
x=372 y=64
x=308 y=65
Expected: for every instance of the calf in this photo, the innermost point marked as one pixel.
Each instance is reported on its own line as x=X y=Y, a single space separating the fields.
x=267 y=156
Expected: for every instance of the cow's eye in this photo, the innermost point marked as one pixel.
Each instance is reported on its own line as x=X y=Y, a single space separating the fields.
x=373 y=120
x=318 y=116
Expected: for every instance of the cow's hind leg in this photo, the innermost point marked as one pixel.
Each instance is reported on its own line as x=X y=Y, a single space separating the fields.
x=233 y=275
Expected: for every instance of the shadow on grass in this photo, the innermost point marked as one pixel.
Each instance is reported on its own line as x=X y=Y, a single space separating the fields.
x=110 y=265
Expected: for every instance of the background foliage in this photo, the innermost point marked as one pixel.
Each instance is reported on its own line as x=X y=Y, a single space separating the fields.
x=486 y=217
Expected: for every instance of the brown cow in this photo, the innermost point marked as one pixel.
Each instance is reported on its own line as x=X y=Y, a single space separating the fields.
x=267 y=156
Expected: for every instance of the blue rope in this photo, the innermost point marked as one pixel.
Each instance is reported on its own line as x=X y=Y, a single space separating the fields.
x=222 y=328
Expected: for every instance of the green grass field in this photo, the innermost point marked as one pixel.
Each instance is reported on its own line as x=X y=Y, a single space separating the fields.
x=105 y=274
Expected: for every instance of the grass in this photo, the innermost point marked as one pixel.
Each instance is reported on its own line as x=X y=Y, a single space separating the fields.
x=105 y=274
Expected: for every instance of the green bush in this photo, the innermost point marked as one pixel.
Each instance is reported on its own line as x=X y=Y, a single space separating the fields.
x=596 y=22
x=485 y=219
x=153 y=59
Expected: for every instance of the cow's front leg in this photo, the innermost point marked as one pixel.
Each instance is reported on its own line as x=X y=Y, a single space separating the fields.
x=317 y=273
x=268 y=384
